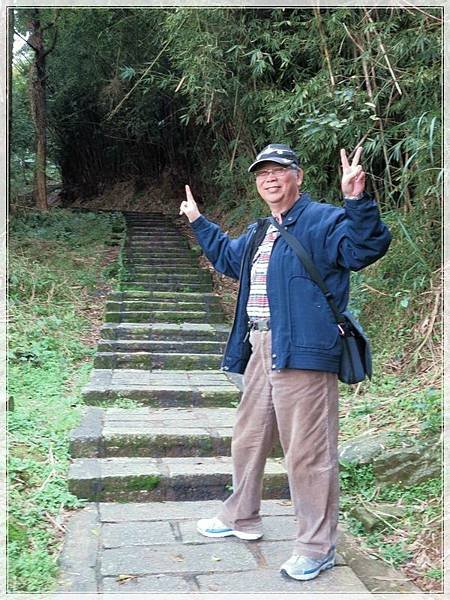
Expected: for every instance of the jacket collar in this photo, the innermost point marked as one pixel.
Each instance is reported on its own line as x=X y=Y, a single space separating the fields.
x=291 y=215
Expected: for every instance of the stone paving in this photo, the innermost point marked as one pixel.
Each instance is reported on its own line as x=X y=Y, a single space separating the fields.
x=152 y=452
x=155 y=547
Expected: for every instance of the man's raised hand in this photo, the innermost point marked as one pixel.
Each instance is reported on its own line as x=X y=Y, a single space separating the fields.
x=189 y=206
x=353 y=176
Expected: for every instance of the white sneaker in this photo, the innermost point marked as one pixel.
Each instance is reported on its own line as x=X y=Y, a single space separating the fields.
x=216 y=529
x=304 y=568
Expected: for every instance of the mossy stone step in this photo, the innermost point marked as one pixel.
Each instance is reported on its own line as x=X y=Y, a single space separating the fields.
x=142 y=479
x=167 y=227
x=131 y=254
x=156 y=360
x=167 y=258
x=175 y=242
x=164 y=346
x=164 y=316
x=185 y=278
x=156 y=226
x=158 y=248
x=153 y=432
x=164 y=269
x=137 y=305
x=173 y=332
x=161 y=261
x=159 y=273
x=161 y=388
x=152 y=236
x=136 y=244
x=144 y=220
x=179 y=286
x=156 y=233
x=154 y=229
x=209 y=298
x=148 y=219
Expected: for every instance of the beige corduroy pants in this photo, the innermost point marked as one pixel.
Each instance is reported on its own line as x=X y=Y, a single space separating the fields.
x=301 y=408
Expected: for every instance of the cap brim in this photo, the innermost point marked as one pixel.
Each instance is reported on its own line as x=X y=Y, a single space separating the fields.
x=286 y=162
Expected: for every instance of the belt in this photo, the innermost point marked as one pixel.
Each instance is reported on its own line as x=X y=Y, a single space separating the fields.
x=259 y=324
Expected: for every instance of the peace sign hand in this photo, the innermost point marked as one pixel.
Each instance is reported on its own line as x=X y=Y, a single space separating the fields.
x=353 y=176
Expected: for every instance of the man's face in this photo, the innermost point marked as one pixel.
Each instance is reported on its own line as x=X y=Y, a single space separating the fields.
x=278 y=186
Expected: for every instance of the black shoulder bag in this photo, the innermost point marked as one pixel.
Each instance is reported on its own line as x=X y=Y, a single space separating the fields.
x=356 y=357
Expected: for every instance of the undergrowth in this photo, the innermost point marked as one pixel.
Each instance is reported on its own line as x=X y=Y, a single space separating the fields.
x=56 y=262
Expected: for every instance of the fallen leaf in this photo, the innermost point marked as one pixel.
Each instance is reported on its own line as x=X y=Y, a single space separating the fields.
x=214 y=557
x=177 y=557
x=124 y=578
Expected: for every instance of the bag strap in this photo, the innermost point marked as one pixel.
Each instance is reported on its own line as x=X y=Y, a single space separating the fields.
x=310 y=267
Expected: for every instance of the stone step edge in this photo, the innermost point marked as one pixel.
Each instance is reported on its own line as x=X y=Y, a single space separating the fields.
x=150 y=361
x=159 y=346
x=144 y=353
x=165 y=478
x=184 y=314
x=117 y=295
x=174 y=316
x=89 y=439
x=185 y=327
x=149 y=332
x=164 y=302
x=145 y=395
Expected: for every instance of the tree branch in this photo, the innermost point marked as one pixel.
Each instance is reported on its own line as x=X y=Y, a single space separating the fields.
x=52 y=47
x=113 y=112
x=26 y=41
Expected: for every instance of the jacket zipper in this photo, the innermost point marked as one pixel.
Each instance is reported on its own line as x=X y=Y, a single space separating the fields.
x=247 y=249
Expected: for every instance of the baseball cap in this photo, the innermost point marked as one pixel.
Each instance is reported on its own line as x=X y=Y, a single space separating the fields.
x=279 y=153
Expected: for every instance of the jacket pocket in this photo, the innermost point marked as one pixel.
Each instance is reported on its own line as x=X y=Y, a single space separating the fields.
x=311 y=321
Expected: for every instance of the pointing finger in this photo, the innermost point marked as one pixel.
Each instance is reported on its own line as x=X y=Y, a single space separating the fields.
x=189 y=196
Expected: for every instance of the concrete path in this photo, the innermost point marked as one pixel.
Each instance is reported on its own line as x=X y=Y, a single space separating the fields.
x=152 y=452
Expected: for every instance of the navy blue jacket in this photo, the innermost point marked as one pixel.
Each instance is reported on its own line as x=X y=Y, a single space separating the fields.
x=304 y=331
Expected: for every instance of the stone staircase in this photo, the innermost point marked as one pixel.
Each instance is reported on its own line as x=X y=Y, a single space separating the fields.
x=155 y=439
x=161 y=347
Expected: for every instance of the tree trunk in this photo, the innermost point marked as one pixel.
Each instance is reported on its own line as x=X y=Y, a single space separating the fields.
x=38 y=110
x=9 y=85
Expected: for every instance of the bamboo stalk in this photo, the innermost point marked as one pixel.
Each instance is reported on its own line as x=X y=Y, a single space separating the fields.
x=208 y=114
x=324 y=45
x=417 y=8
x=384 y=53
x=408 y=204
x=233 y=156
x=380 y=121
x=125 y=98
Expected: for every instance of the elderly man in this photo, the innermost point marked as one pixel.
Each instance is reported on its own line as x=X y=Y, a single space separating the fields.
x=286 y=341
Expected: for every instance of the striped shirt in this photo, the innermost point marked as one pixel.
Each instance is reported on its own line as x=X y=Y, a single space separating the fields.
x=258 y=303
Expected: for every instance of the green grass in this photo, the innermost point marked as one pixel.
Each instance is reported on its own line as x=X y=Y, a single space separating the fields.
x=401 y=405
x=55 y=266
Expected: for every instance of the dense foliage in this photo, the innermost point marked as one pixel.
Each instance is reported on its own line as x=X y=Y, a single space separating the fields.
x=132 y=92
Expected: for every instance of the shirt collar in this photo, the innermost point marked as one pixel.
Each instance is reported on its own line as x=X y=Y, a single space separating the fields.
x=291 y=215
